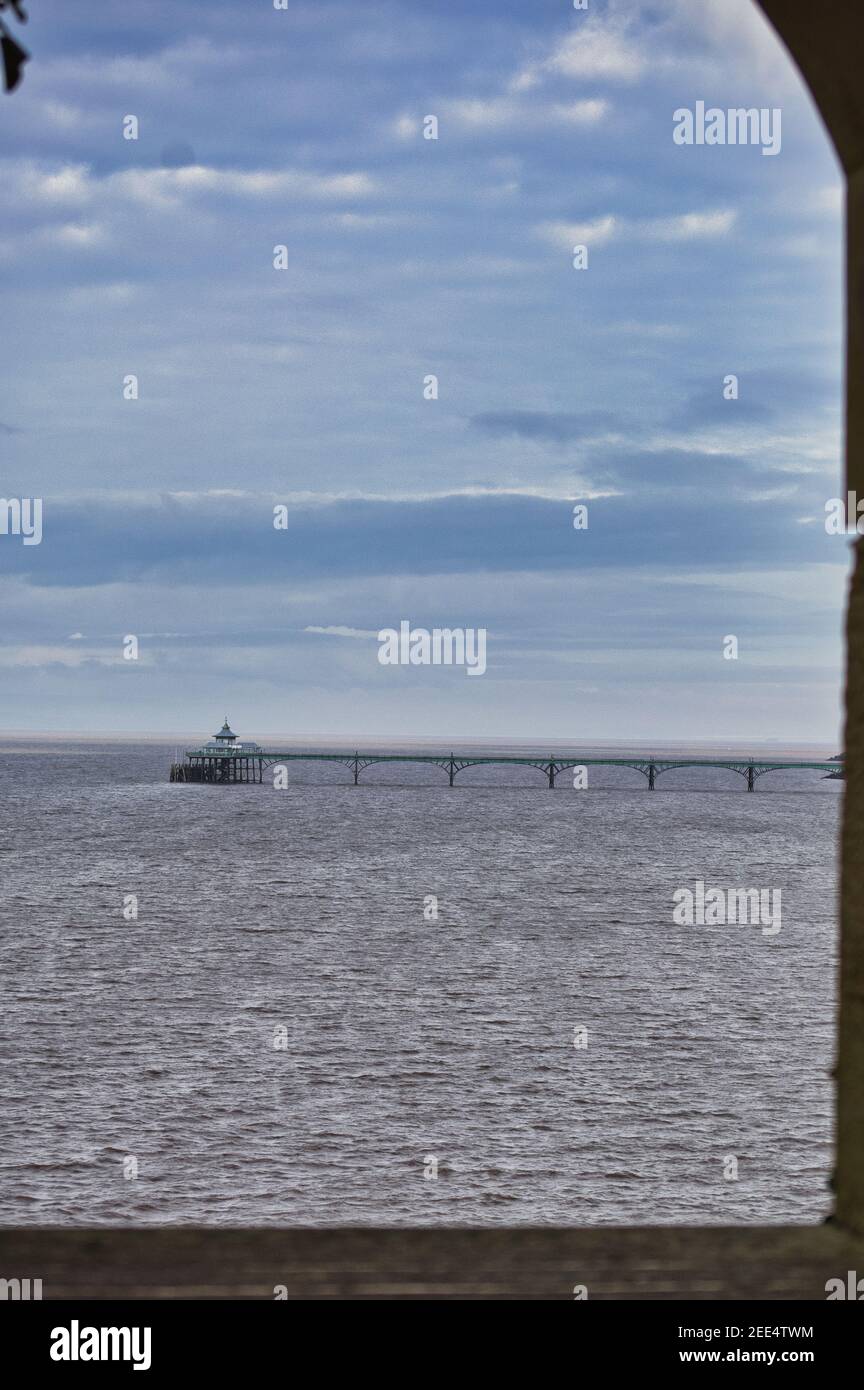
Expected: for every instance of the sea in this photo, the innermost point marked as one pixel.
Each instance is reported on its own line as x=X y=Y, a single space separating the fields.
x=402 y=1004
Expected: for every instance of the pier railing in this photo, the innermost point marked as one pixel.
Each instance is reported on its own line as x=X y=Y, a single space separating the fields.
x=227 y=765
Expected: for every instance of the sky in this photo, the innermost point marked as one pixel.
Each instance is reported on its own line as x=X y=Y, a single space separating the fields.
x=307 y=387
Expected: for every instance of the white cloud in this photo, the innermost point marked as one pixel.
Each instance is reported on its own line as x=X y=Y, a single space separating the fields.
x=570 y=234
x=172 y=185
x=499 y=113
x=194 y=60
x=75 y=234
x=366 y=222
x=702 y=39
x=690 y=225
x=830 y=199
x=70 y=184
x=405 y=127
x=339 y=631
x=736 y=36
x=489 y=115
x=36 y=655
x=805 y=248
x=594 y=51
x=580 y=112
x=77 y=185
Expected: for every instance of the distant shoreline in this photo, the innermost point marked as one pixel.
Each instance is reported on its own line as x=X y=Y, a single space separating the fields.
x=445 y=742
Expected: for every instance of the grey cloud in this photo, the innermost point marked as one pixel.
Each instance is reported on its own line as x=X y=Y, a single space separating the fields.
x=556 y=427
x=216 y=540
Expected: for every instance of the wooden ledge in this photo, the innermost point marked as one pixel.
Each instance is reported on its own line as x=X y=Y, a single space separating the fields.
x=668 y=1262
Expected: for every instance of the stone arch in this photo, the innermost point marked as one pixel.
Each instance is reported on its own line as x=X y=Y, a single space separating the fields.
x=826 y=42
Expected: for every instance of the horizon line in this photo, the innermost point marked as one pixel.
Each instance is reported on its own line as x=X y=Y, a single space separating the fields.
x=522 y=739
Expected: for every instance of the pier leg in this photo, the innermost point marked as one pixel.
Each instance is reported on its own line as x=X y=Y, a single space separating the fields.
x=751 y=778
x=652 y=774
x=551 y=771
x=356 y=769
x=452 y=769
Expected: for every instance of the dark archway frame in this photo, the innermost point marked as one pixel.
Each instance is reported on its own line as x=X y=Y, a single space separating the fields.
x=826 y=42
x=746 y=1262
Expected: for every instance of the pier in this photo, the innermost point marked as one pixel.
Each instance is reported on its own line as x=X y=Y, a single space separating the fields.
x=227 y=759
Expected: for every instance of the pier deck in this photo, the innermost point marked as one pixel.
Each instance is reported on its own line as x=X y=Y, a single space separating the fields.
x=239 y=764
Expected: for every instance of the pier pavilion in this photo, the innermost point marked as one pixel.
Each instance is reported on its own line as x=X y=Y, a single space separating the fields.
x=223 y=759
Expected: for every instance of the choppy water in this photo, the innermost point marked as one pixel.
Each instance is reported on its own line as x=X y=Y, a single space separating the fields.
x=303 y=910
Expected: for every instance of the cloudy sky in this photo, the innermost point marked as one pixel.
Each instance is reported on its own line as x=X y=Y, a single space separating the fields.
x=409 y=257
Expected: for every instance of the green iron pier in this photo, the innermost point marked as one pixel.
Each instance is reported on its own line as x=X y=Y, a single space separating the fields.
x=227 y=759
